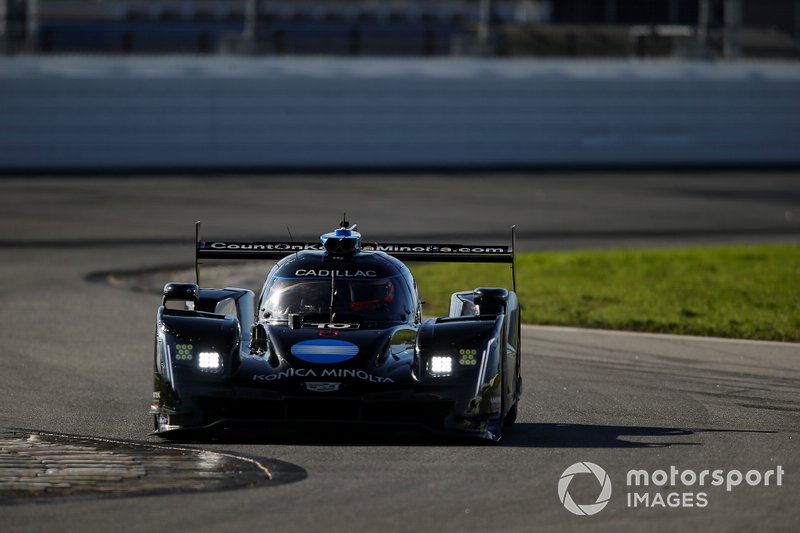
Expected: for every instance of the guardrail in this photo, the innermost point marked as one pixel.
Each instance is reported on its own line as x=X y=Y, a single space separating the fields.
x=62 y=113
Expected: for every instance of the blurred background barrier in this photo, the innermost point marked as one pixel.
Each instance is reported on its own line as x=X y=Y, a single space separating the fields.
x=159 y=113
x=541 y=28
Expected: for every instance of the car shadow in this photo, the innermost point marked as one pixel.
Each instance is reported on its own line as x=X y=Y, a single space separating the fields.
x=553 y=435
x=345 y=437
x=522 y=435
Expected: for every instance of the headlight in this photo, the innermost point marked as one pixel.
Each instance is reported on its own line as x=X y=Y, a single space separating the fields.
x=441 y=365
x=209 y=361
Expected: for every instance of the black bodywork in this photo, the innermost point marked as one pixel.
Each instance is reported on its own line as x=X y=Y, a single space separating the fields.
x=225 y=358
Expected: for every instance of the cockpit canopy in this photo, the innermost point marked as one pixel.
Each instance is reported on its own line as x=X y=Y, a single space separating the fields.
x=362 y=293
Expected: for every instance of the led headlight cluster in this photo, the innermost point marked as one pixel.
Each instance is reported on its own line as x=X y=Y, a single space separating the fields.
x=183 y=352
x=209 y=361
x=441 y=365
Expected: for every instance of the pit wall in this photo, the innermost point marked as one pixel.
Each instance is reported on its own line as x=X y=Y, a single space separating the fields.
x=132 y=113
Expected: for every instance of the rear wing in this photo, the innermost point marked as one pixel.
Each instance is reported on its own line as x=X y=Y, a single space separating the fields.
x=453 y=253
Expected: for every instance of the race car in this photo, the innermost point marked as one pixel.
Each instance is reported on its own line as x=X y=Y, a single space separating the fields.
x=336 y=336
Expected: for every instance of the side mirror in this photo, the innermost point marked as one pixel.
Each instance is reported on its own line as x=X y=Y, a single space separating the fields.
x=258 y=338
x=490 y=301
x=181 y=292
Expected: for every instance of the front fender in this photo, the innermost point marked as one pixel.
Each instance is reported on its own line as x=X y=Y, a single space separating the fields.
x=462 y=355
x=185 y=342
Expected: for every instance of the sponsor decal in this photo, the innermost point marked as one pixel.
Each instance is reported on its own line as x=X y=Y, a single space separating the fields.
x=288 y=373
x=388 y=248
x=266 y=246
x=326 y=373
x=688 y=488
x=323 y=273
x=323 y=386
x=324 y=351
x=437 y=248
x=358 y=374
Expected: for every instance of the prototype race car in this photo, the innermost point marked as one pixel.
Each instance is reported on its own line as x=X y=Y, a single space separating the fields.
x=337 y=336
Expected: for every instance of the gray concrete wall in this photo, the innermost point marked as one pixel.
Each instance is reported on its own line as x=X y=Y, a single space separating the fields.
x=129 y=113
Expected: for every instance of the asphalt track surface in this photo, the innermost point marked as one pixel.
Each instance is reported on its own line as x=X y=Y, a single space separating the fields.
x=76 y=355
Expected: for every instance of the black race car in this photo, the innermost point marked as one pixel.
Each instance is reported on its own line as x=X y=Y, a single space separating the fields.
x=336 y=337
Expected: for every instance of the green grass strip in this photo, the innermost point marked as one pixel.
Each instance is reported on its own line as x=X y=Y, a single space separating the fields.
x=749 y=292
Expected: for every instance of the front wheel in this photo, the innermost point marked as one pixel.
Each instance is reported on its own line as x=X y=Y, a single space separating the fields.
x=511 y=416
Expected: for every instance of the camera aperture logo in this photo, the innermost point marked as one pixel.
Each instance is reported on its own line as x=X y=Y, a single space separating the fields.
x=589 y=508
x=689 y=488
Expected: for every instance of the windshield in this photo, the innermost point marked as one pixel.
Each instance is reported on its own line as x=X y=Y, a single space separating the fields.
x=374 y=300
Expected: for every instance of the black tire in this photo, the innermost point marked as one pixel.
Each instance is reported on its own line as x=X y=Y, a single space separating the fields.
x=511 y=416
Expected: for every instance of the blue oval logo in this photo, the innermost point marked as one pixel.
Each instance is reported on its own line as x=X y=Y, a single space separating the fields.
x=324 y=351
